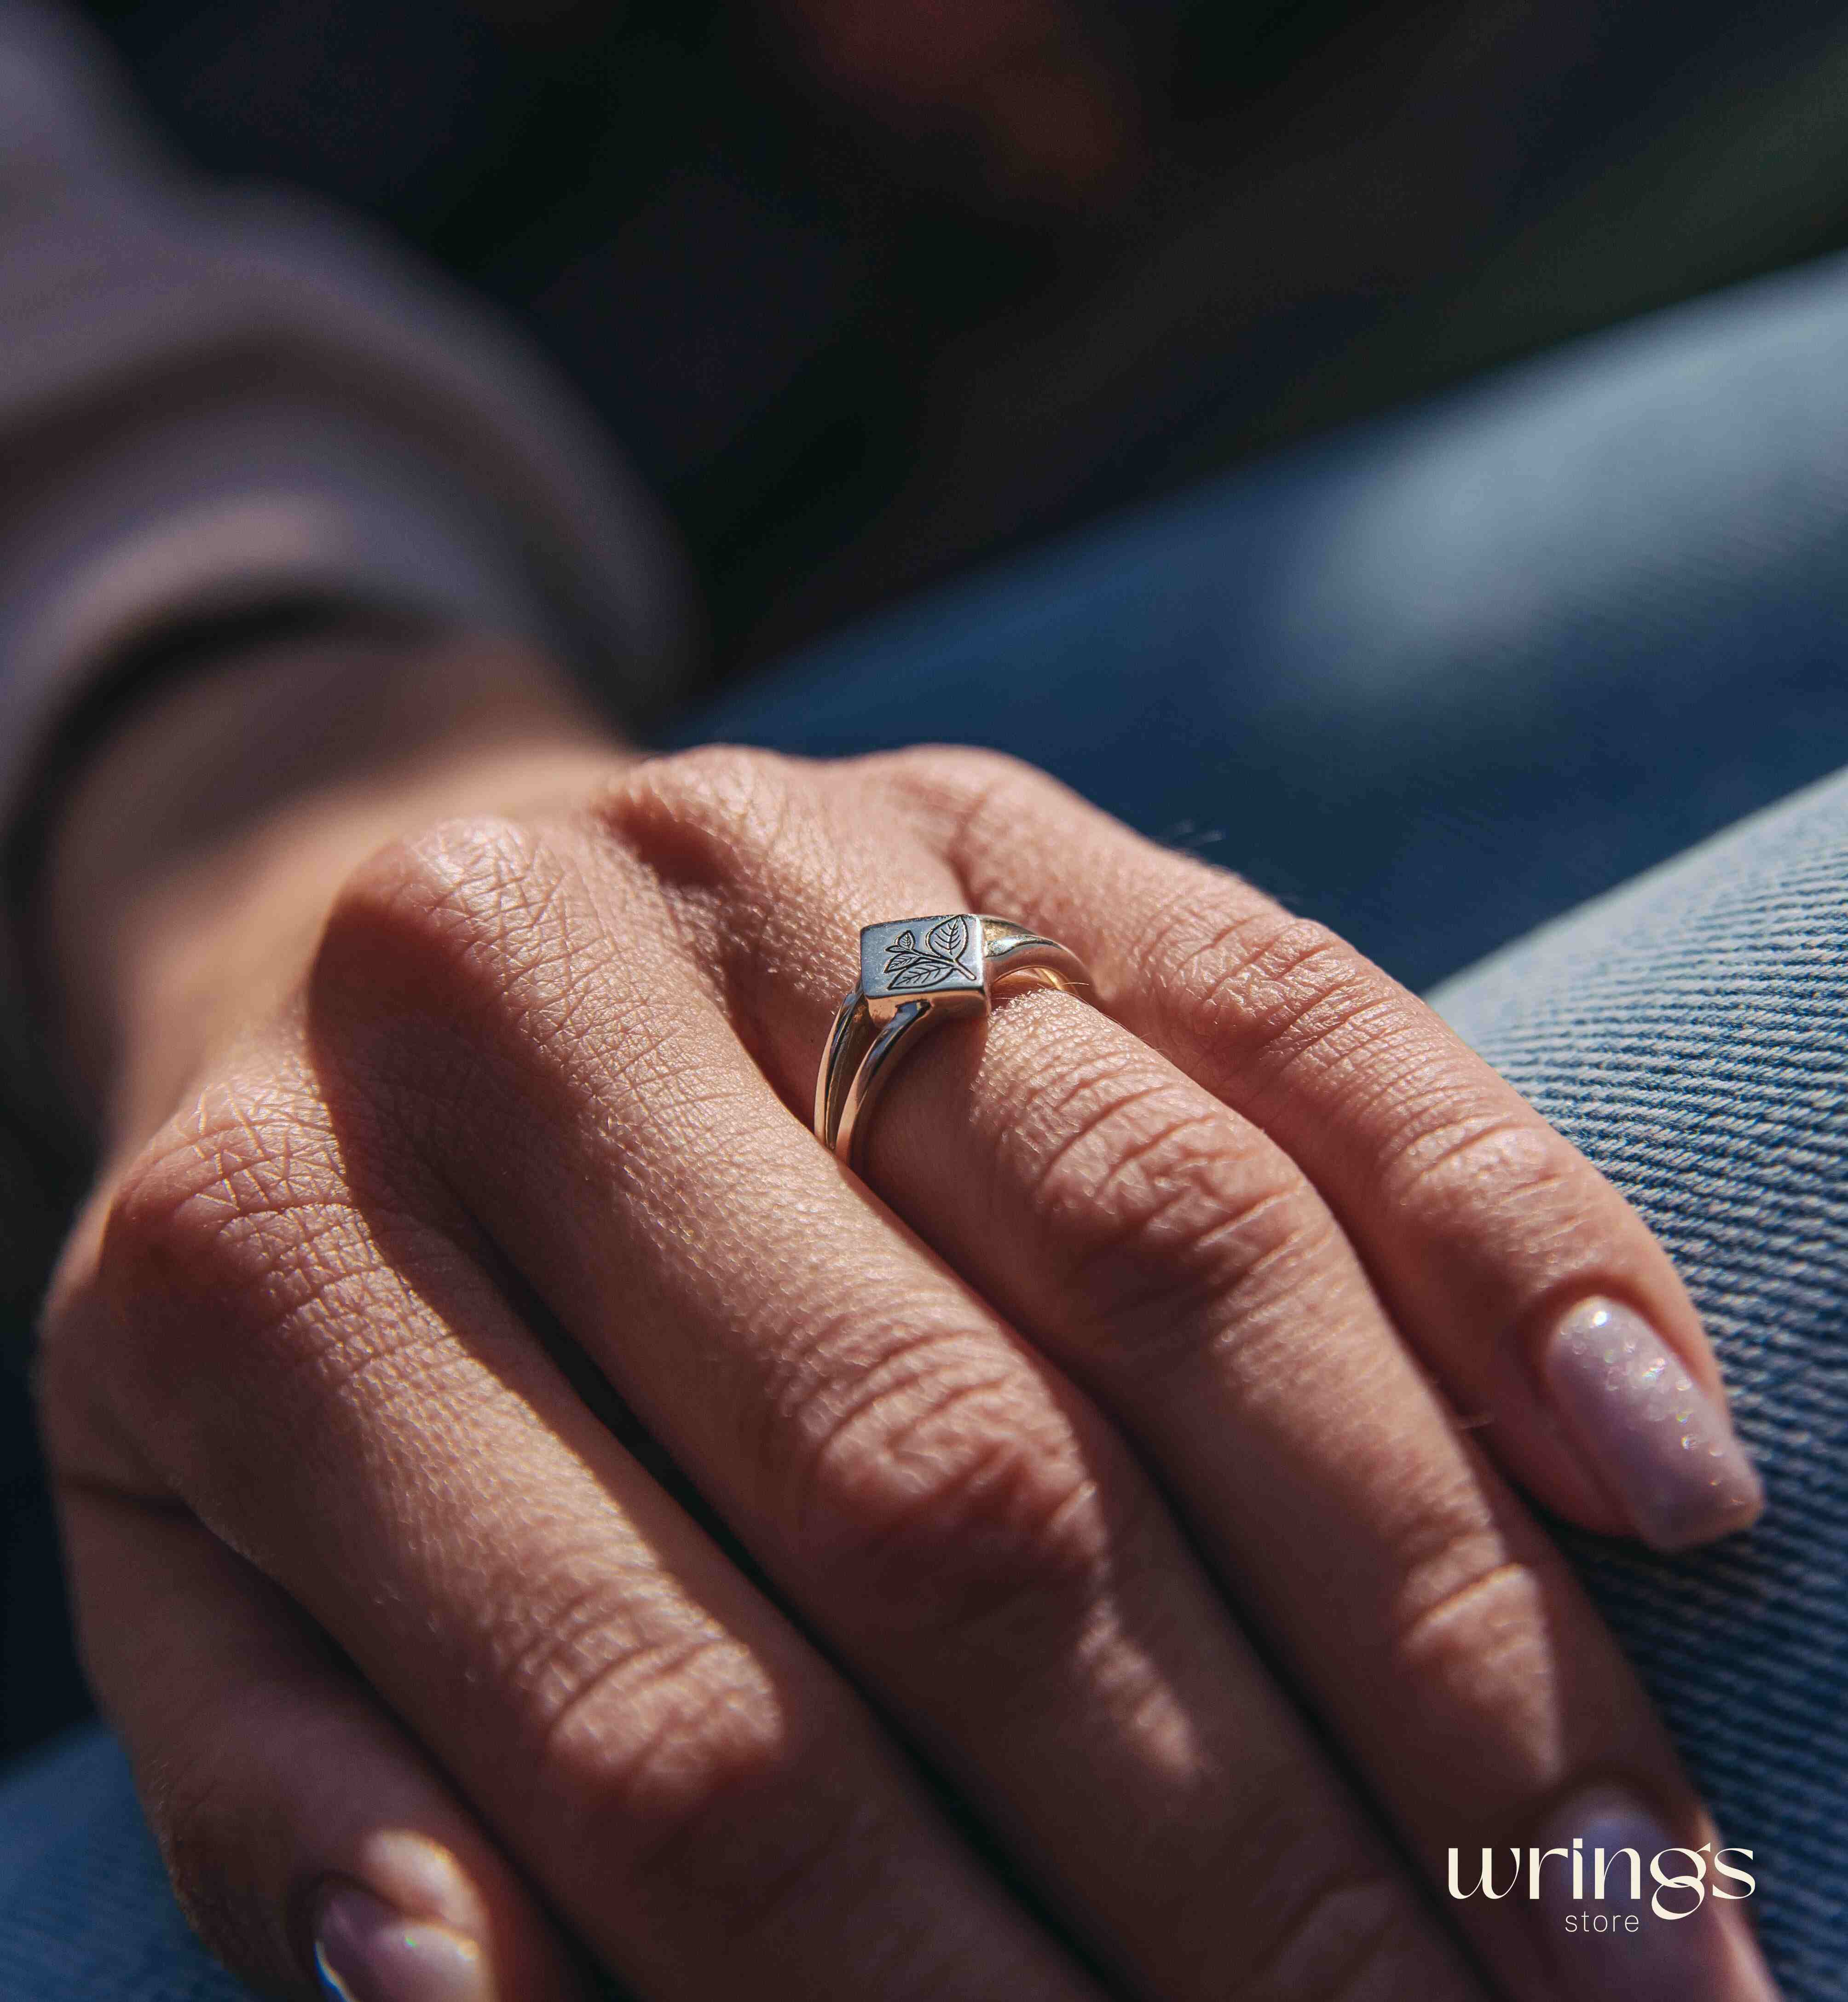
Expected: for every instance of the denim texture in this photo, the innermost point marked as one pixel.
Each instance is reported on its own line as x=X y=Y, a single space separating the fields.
x=1689 y=1032
x=85 y=1915
x=1436 y=680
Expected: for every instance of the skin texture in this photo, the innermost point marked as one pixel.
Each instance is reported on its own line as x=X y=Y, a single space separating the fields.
x=507 y=1465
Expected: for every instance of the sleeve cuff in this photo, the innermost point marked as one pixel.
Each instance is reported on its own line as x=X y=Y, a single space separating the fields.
x=217 y=513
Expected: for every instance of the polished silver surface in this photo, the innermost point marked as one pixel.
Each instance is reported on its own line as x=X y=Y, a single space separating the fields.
x=914 y=973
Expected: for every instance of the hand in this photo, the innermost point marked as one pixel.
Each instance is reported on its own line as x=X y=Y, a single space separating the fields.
x=1034 y=1569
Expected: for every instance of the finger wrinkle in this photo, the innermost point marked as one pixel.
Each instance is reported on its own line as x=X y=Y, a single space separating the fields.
x=815 y=1409
x=1482 y=1653
x=1478 y=1151
x=1112 y=1087
x=1171 y=1280
x=1159 y=1155
x=1333 y=1024
x=1262 y=988
x=634 y=1703
x=1169 y=941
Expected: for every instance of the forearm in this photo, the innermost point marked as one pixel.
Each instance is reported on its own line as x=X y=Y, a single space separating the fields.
x=193 y=854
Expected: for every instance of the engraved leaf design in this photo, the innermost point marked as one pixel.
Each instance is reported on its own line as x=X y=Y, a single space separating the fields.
x=949 y=937
x=921 y=971
x=909 y=968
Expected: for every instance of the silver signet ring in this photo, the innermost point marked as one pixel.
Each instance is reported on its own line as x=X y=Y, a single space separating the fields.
x=914 y=973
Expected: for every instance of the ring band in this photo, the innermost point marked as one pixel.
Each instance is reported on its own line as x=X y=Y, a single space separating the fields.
x=914 y=973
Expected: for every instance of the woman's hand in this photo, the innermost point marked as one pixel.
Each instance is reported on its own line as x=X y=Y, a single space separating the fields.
x=1033 y=1573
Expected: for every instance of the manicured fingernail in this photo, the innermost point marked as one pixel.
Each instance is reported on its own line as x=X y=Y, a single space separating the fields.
x=1609 y=1875
x=366 y=1951
x=1664 y=1446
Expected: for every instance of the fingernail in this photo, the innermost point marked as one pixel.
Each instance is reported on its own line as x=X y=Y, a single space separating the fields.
x=366 y=1951
x=1620 y=1947
x=1666 y=1447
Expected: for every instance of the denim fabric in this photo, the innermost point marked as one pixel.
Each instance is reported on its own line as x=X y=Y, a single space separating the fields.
x=85 y=1915
x=1439 y=679
x=1689 y=1032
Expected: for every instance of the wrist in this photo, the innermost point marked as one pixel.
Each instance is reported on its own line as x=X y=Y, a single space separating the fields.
x=194 y=856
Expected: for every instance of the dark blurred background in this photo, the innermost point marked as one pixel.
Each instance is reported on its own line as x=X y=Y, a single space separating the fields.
x=870 y=290
x=869 y=286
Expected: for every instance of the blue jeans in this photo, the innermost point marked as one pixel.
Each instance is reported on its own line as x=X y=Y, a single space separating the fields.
x=1439 y=680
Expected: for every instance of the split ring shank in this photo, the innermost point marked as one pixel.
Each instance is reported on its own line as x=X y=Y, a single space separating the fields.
x=914 y=973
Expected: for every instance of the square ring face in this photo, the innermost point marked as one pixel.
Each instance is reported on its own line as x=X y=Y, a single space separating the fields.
x=921 y=956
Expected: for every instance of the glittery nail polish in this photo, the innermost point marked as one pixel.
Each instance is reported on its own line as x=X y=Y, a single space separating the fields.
x=1664 y=1447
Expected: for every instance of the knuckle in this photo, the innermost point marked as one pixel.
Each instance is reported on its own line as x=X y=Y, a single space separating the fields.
x=225 y=1251
x=1465 y=1165
x=943 y=1493
x=681 y=1765
x=1269 y=987
x=700 y=816
x=634 y=1735
x=967 y=794
x=954 y=776
x=460 y=968
x=1169 y=1226
x=230 y=1206
x=425 y=912
x=1473 y=1630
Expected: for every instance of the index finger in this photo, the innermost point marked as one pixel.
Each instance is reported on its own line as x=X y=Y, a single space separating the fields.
x=1536 y=1294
